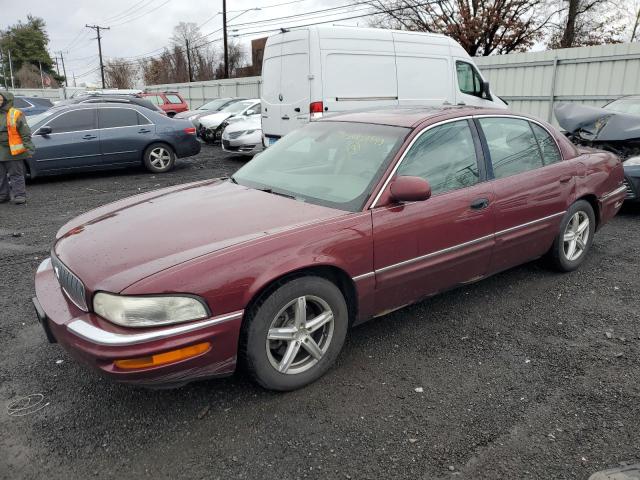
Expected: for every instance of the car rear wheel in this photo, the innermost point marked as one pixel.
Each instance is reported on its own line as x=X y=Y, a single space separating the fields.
x=295 y=334
x=159 y=158
x=574 y=240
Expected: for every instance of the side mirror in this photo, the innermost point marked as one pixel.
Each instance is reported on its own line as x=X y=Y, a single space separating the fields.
x=250 y=112
x=46 y=130
x=486 y=91
x=410 y=189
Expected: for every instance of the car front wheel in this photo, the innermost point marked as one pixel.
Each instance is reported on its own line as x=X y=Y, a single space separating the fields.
x=574 y=240
x=295 y=334
x=159 y=158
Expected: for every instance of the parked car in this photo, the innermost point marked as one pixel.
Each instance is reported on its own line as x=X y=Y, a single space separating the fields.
x=135 y=99
x=309 y=71
x=243 y=136
x=171 y=102
x=32 y=105
x=212 y=126
x=615 y=127
x=100 y=136
x=343 y=220
x=209 y=107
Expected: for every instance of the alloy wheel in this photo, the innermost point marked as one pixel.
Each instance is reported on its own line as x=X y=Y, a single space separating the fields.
x=576 y=236
x=300 y=335
x=160 y=157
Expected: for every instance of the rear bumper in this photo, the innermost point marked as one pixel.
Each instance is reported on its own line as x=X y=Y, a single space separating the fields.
x=188 y=147
x=610 y=203
x=98 y=343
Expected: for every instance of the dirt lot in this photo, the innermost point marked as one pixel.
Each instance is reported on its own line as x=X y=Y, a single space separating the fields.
x=529 y=374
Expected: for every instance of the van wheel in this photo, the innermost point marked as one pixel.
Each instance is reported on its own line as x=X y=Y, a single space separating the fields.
x=575 y=237
x=294 y=335
x=159 y=158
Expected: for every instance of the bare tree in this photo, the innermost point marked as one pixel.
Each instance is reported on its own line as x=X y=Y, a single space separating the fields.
x=588 y=22
x=237 y=59
x=29 y=76
x=119 y=73
x=482 y=27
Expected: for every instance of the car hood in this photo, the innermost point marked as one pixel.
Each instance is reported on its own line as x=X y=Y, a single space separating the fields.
x=248 y=123
x=597 y=124
x=188 y=113
x=214 y=120
x=114 y=246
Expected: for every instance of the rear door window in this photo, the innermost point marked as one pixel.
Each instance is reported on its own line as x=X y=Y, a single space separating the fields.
x=74 y=121
x=117 y=117
x=548 y=146
x=513 y=148
x=156 y=99
x=445 y=156
x=174 y=99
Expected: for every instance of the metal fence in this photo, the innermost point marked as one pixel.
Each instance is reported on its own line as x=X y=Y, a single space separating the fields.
x=532 y=82
x=197 y=93
x=50 y=93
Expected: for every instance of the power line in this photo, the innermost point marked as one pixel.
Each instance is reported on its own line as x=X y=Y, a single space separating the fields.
x=126 y=12
x=140 y=16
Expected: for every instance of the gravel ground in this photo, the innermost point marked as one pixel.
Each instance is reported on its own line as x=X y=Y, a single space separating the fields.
x=529 y=374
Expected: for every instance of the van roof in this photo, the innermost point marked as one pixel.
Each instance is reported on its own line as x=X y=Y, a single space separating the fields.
x=410 y=116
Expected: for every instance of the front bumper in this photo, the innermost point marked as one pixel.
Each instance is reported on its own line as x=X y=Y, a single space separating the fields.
x=632 y=183
x=98 y=343
x=241 y=147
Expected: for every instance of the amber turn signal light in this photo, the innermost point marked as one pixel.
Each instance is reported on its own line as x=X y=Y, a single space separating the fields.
x=163 y=358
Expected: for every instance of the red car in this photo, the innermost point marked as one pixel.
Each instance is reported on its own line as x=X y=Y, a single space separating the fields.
x=343 y=220
x=170 y=102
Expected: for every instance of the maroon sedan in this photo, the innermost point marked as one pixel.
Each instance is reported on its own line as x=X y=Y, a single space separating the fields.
x=341 y=221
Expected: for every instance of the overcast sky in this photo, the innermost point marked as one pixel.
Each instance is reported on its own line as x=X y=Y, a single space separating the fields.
x=143 y=27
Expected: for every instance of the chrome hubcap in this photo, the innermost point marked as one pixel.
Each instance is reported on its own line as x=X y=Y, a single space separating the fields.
x=160 y=157
x=576 y=236
x=300 y=335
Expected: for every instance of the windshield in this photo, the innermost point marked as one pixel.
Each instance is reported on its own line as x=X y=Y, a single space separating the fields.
x=238 y=106
x=213 y=104
x=335 y=164
x=625 y=105
x=35 y=119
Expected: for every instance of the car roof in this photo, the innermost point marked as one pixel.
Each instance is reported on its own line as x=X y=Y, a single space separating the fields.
x=412 y=116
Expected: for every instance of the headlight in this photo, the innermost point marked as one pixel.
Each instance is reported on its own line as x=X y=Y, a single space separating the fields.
x=148 y=311
x=248 y=132
x=632 y=161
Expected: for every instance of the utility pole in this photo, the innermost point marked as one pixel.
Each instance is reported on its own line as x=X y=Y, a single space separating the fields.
x=189 y=60
x=97 y=28
x=64 y=70
x=41 y=74
x=224 y=35
x=11 y=70
x=55 y=59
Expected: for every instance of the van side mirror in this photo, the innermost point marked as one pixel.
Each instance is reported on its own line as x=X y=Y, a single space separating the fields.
x=486 y=91
x=410 y=189
x=45 y=130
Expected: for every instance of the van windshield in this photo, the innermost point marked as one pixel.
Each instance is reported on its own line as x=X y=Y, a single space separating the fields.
x=335 y=164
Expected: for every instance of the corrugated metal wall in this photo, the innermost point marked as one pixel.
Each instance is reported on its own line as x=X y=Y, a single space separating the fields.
x=197 y=93
x=531 y=82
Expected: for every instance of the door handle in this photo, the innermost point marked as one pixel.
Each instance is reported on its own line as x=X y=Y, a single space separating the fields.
x=479 y=204
x=566 y=179
x=297 y=109
x=286 y=117
x=143 y=130
x=89 y=137
x=461 y=103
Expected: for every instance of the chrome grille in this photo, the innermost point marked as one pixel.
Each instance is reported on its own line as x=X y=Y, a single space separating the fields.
x=71 y=285
x=630 y=192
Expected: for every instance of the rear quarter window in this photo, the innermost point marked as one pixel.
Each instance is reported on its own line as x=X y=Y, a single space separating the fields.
x=174 y=99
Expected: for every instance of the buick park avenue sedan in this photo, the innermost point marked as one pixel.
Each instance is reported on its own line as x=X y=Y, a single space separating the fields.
x=340 y=221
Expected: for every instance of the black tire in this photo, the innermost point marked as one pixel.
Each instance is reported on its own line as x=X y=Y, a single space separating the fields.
x=258 y=358
x=150 y=158
x=558 y=253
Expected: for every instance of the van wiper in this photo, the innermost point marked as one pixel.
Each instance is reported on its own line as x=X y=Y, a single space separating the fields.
x=269 y=190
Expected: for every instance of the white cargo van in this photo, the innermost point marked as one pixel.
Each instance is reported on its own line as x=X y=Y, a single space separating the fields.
x=310 y=71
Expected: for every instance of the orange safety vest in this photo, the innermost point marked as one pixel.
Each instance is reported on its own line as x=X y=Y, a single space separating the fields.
x=16 y=147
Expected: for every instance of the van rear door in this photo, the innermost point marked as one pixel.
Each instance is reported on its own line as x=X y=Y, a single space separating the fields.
x=271 y=71
x=286 y=85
